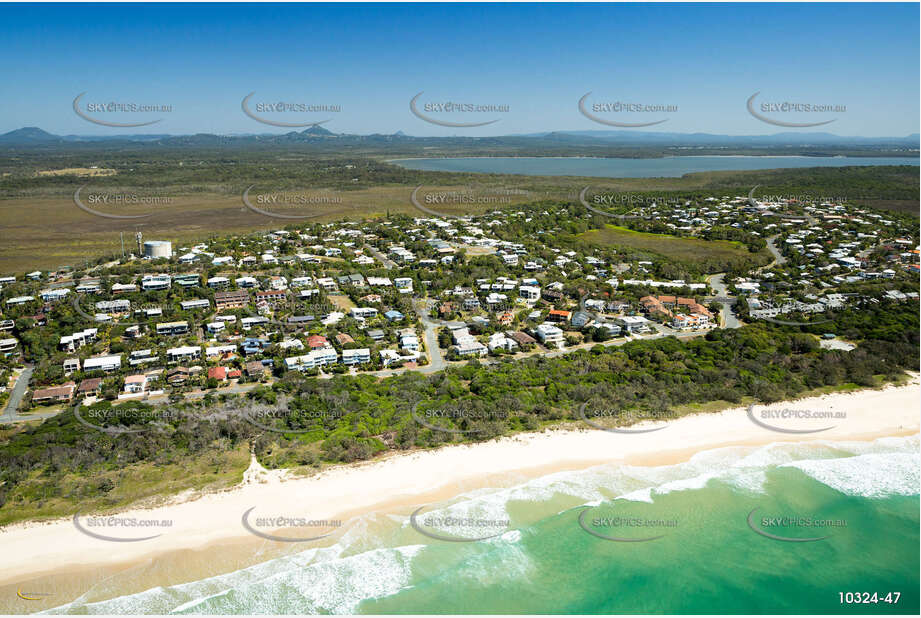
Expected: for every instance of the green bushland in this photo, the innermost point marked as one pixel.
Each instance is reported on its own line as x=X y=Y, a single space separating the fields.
x=54 y=468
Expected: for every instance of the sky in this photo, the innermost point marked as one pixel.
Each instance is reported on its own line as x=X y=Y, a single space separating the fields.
x=534 y=61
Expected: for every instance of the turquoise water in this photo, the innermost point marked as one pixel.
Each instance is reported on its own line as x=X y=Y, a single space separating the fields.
x=633 y=168
x=706 y=559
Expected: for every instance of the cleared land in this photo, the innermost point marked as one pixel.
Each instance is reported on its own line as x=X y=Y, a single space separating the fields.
x=42 y=228
x=689 y=250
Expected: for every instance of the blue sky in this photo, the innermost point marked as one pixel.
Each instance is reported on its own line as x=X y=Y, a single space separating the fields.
x=706 y=59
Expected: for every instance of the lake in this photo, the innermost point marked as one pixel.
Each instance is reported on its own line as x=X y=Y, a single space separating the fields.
x=633 y=168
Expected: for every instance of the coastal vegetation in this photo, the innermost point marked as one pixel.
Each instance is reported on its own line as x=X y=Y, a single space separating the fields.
x=304 y=423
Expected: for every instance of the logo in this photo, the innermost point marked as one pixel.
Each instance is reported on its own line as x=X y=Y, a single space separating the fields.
x=116 y=107
x=788 y=413
x=78 y=202
x=450 y=107
x=606 y=200
x=462 y=523
x=286 y=522
x=258 y=416
x=787 y=107
x=624 y=522
x=610 y=413
x=618 y=107
x=124 y=416
x=32 y=596
x=456 y=411
x=794 y=521
x=282 y=106
x=117 y=522
x=281 y=199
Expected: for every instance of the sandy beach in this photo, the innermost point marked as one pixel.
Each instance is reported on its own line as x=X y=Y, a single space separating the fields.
x=398 y=483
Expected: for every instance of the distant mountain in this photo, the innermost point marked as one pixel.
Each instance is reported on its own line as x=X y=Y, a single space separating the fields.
x=787 y=138
x=317 y=130
x=28 y=135
x=555 y=141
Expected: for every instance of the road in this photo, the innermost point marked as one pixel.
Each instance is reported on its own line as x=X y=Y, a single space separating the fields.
x=728 y=317
x=11 y=414
x=779 y=260
x=388 y=263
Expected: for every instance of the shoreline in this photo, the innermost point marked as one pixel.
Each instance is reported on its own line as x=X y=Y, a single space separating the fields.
x=56 y=551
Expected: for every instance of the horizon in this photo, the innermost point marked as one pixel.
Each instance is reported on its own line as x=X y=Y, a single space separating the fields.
x=517 y=59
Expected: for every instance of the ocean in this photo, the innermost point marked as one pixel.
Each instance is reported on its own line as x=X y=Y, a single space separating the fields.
x=783 y=528
x=634 y=168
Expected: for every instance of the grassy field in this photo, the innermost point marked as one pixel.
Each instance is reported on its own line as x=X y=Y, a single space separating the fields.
x=42 y=228
x=688 y=250
x=48 y=233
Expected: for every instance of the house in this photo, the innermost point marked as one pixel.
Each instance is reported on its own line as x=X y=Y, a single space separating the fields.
x=530 y=293
x=198 y=303
x=70 y=343
x=393 y=315
x=183 y=353
x=471 y=347
x=549 y=335
x=253 y=345
x=231 y=300
x=363 y=313
x=559 y=316
x=224 y=351
x=273 y=298
x=343 y=339
x=255 y=369
x=187 y=281
x=90 y=387
x=218 y=373
x=71 y=365
x=177 y=375
x=172 y=328
x=54 y=394
x=356 y=356
x=376 y=334
x=501 y=341
x=219 y=283
x=313 y=359
x=315 y=342
x=633 y=323
x=103 y=363
x=136 y=384
x=409 y=341
x=141 y=357
x=522 y=339
x=580 y=319
x=155 y=282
